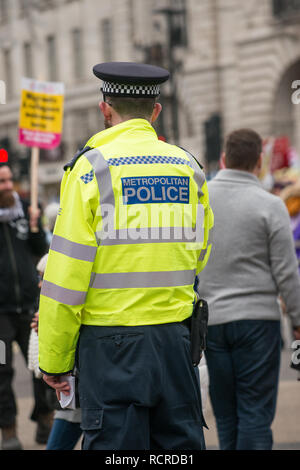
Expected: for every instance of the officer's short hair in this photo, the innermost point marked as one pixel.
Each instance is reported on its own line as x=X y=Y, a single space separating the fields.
x=243 y=148
x=135 y=108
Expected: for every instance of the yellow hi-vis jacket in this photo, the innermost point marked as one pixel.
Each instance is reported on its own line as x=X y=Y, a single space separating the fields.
x=131 y=235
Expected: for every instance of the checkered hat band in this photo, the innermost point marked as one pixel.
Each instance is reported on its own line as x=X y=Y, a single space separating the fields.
x=124 y=89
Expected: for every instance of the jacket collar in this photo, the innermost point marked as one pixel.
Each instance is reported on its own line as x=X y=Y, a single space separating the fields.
x=132 y=125
x=237 y=176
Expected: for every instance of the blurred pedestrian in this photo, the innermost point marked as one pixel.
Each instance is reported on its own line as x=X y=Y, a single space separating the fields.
x=50 y=212
x=291 y=197
x=253 y=261
x=19 y=250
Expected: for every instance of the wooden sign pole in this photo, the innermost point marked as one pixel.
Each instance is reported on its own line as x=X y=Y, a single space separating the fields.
x=34 y=176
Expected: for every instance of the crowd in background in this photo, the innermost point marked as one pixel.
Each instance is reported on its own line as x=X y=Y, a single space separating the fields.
x=280 y=175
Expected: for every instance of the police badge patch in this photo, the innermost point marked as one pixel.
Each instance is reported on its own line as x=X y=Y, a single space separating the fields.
x=156 y=189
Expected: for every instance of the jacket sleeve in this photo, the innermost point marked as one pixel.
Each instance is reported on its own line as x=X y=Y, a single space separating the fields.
x=208 y=223
x=283 y=260
x=68 y=272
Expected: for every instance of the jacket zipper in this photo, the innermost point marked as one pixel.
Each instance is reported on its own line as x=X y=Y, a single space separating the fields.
x=14 y=267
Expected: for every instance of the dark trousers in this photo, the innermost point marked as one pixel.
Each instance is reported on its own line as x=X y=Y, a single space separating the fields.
x=16 y=327
x=138 y=389
x=243 y=360
x=64 y=435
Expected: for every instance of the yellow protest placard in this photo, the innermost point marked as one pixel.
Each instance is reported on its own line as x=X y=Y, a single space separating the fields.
x=41 y=113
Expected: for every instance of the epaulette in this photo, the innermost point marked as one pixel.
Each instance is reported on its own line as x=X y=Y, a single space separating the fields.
x=75 y=158
x=192 y=156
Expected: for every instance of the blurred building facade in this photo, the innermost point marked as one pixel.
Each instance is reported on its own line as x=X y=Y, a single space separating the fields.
x=233 y=64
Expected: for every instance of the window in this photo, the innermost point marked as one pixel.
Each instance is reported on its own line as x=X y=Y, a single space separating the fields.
x=77 y=53
x=45 y=4
x=22 y=8
x=285 y=8
x=4 y=11
x=179 y=29
x=106 y=39
x=52 y=58
x=27 y=57
x=8 y=72
x=176 y=22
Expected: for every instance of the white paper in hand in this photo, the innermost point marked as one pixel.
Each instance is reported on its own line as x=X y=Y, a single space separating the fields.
x=68 y=401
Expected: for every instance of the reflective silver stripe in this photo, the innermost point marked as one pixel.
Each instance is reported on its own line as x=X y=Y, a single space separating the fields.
x=150 y=235
x=199 y=175
x=203 y=252
x=143 y=279
x=72 y=249
x=103 y=176
x=62 y=295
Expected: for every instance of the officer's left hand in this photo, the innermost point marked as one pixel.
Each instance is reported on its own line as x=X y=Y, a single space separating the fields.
x=35 y=322
x=54 y=381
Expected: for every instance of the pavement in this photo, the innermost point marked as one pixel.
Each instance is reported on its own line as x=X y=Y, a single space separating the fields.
x=286 y=426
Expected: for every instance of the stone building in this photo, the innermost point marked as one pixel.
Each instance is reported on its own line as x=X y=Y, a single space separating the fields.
x=233 y=64
x=244 y=58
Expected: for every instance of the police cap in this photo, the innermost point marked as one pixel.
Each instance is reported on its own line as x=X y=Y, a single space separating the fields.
x=130 y=79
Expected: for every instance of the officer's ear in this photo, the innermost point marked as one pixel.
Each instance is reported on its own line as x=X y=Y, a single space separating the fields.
x=106 y=110
x=156 y=112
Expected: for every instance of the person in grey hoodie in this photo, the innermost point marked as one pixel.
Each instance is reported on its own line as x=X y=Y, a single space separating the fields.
x=253 y=263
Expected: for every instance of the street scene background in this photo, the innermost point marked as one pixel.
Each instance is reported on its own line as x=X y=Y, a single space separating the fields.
x=233 y=64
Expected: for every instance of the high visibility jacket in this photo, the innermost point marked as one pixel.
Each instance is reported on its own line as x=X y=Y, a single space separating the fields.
x=131 y=235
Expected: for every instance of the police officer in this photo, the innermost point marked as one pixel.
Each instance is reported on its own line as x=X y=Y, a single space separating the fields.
x=131 y=235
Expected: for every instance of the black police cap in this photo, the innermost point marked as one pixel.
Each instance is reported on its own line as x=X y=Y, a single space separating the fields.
x=130 y=79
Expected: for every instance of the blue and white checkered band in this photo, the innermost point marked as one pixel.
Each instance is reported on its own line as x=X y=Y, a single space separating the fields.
x=125 y=89
x=88 y=177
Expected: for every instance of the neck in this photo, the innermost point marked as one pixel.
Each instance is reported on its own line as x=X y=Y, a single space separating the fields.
x=105 y=136
x=255 y=171
x=119 y=119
